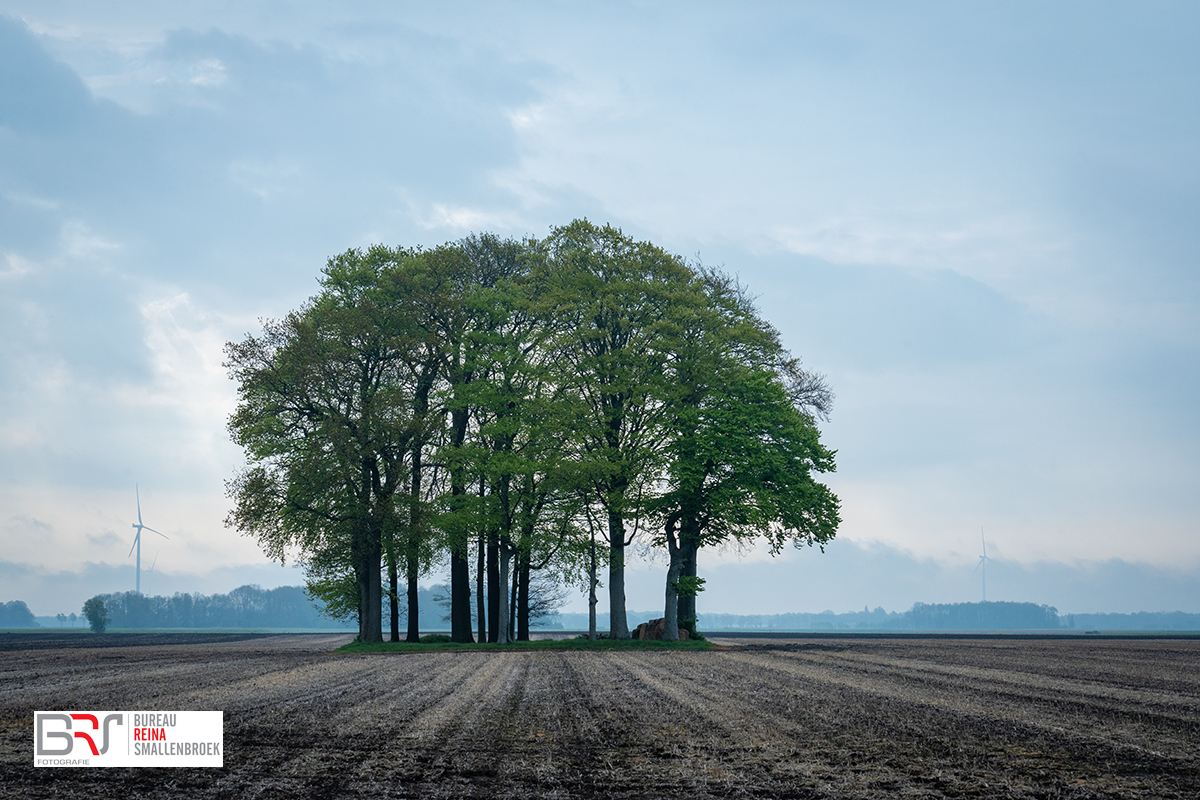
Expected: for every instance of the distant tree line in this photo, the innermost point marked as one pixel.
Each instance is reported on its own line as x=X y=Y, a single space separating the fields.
x=284 y=607
x=292 y=607
x=244 y=607
x=521 y=411
x=995 y=616
x=15 y=614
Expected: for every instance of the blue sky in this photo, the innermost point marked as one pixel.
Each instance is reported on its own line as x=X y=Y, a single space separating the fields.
x=977 y=219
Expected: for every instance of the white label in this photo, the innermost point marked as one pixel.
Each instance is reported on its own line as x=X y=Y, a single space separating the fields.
x=129 y=738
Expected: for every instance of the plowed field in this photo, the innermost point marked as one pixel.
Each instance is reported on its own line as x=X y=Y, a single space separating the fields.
x=853 y=718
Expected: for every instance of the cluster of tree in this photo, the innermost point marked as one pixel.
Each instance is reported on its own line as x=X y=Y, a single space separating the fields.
x=525 y=407
x=15 y=614
x=993 y=616
x=244 y=607
x=284 y=607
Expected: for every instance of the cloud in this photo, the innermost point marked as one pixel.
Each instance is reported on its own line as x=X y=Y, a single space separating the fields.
x=27 y=525
x=38 y=94
x=108 y=539
x=16 y=267
x=253 y=162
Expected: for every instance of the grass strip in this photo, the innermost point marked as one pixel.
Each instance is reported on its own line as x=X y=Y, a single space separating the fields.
x=540 y=644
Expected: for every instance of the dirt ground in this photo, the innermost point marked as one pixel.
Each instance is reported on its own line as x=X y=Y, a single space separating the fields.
x=845 y=718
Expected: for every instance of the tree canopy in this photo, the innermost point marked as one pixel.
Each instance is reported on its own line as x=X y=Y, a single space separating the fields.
x=519 y=401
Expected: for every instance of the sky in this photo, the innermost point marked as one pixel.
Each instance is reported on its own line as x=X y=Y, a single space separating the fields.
x=977 y=220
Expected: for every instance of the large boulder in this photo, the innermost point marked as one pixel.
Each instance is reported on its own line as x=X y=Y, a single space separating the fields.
x=654 y=629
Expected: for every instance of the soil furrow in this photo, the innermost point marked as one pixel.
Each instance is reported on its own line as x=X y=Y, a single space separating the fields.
x=837 y=718
x=1126 y=718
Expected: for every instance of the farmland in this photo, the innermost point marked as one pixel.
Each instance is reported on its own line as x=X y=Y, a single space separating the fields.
x=803 y=718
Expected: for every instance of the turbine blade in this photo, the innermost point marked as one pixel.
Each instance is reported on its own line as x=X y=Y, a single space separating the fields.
x=154 y=531
x=135 y=541
x=139 y=502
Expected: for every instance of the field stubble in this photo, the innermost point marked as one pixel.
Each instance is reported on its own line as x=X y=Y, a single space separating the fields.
x=1061 y=718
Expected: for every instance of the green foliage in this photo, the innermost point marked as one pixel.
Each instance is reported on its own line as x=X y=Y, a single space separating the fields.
x=610 y=301
x=325 y=415
x=330 y=581
x=689 y=586
x=741 y=435
x=97 y=614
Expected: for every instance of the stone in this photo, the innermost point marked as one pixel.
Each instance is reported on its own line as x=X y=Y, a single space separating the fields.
x=654 y=629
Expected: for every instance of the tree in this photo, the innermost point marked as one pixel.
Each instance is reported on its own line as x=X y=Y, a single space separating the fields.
x=324 y=417
x=457 y=293
x=609 y=298
x=742 y=442
x=15 y=614
x=97 y=614
x=517 y=453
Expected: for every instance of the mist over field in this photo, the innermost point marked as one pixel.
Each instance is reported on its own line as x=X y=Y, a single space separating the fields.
x=848 y=577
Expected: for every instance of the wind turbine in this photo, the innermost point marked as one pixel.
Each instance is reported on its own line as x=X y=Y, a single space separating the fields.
x=982 y=565
x=137 y=541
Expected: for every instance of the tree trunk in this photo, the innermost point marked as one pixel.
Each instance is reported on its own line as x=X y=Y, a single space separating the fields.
x=592 y=581
x=460 y=595
x=618 y=625
x=495 y=593
x=394 y=600
x=523 y=598
x=370 y=584
x=689 y=549
x=412 y=552
x=480 y=592
x=502 y=607
x=512 y=603
x=675 y=568
x=414 y=613
x=460 y=570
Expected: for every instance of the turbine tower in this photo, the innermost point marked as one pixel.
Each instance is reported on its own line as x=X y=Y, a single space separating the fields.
x=137 y=541
x=982 y=565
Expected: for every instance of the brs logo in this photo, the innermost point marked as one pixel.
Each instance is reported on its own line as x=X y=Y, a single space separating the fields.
x=68 y=732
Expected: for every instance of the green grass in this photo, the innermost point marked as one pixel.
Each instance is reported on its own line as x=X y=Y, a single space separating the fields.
x=541 y=644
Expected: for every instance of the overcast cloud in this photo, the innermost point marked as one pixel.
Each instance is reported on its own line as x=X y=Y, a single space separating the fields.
x=978 y=220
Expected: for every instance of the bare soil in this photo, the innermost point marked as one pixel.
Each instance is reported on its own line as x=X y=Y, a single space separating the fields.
x=844 y=718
